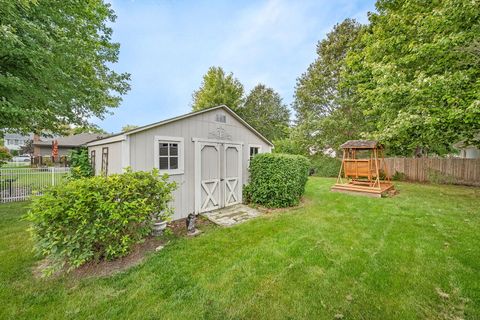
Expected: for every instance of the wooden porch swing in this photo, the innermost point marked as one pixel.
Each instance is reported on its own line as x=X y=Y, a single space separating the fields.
x=362 y=166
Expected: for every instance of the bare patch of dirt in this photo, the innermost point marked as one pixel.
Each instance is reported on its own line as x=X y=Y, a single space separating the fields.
x=179 y=227
x=107 y=268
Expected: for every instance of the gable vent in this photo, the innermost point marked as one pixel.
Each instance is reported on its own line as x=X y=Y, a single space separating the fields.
x=221 y=118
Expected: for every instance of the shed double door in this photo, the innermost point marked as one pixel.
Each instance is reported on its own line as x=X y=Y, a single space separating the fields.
x=219 y=180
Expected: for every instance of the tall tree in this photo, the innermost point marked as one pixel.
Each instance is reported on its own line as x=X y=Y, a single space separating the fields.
x=55 y=64
x=129 y=127
x=418 y=75
x=93 y=128
x=218 y=88
x=265 y=111
x=326 y=114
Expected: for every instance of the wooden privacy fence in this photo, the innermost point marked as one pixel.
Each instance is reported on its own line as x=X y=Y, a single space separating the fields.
x=438 y=170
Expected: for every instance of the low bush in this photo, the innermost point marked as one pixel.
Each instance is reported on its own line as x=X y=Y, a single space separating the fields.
x=325 y=166
x=99 y=217
x=277 y=180
x=399 y=176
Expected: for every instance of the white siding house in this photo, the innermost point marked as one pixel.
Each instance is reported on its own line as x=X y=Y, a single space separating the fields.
x=206 y=152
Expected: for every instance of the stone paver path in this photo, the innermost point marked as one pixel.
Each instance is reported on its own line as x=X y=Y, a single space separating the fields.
x=229 y=216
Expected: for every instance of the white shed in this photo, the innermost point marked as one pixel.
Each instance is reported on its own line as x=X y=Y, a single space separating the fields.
x=206 y=152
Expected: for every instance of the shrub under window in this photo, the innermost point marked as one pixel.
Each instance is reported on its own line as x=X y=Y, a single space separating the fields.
x=98 y=217
x=277 y=180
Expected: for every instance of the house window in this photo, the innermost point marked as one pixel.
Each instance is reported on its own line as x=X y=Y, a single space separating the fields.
x=92 y=161
x=105 y=160
x=169 y=154
x=253 y=151
x=221 y=118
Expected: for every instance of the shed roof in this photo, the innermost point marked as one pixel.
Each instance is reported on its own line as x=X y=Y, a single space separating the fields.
x=122 y=135
x=360 y=144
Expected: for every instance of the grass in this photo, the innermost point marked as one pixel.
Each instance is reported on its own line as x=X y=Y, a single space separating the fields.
x=413 y=256
x=33 y=178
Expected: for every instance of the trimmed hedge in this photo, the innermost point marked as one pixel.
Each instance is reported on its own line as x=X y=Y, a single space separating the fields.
x=97 y=218
x=276 y=180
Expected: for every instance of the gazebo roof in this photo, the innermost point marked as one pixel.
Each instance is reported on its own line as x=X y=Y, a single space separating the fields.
x=360 y=144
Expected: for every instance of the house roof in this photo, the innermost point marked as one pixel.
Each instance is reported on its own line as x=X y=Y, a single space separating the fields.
x=76 y=140
x=122 y=135
x=360 y=144
x=17 y=136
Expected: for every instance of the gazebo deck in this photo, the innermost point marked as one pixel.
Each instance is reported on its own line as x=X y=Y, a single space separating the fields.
x=356 y=187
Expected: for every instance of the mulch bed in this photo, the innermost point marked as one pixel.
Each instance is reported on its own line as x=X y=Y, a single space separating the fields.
x=135 y=257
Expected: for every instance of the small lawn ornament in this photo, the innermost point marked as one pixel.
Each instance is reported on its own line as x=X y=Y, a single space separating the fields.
x=159 y=227
x=363 y=167
x=190 y=222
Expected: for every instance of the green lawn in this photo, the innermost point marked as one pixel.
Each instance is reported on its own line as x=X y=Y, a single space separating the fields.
x=413 y=256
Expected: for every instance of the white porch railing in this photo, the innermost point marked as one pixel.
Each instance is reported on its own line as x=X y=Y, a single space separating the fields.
x=18 y=184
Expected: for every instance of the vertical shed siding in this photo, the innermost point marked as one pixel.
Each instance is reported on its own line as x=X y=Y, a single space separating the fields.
x=201 y=126
x=114 y=157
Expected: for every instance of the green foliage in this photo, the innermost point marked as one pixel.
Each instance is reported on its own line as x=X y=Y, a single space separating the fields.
x=265 y=111
x=55 y=64
x=399 y=176
x=27 y=148
x=289 y=146
x=326 y=113
x=80 y=164
x=217 y=89
x=277 y=180
x=418 y=76
x=91 y=128
x=4 y=155
x=129 y=127
x=98 y=217
x=325 y=166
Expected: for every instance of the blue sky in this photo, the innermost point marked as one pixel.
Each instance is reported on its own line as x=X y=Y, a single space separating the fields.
x=167 y=46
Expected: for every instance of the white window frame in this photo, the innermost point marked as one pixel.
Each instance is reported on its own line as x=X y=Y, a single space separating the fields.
x=181 y=154
x=254 y=146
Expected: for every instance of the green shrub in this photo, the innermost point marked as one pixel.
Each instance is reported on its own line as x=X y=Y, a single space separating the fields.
x=5 y=155
x=324 y=166
x=80 y=164
x=399 y=176
x=99 y=217
x=277 y=180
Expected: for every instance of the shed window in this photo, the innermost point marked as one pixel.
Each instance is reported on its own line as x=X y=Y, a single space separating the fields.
x=254 y=151
x=169 y=154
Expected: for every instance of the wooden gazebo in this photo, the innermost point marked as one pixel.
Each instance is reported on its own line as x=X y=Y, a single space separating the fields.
x=363 y=167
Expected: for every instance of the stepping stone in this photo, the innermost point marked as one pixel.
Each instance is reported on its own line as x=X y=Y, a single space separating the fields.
x=232 y=215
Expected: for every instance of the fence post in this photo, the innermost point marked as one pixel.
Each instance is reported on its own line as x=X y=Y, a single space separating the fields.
x=53 y=176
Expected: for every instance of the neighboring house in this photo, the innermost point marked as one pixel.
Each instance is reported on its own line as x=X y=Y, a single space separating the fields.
x=206 y=152
x=14 y=141
x=468 y=151
x=43 y=146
